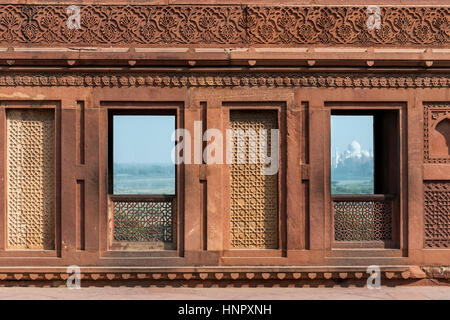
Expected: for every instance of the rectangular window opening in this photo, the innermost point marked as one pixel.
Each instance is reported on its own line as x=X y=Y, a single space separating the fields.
x=352 y=154
x=364 y=176
x=142 y=149
x=142 y=180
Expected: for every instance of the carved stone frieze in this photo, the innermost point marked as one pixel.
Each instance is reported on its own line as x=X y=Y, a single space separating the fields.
x=227 y=25
x=167 y=79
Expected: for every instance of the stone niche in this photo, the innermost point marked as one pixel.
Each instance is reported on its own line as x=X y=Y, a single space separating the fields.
x=440 y=139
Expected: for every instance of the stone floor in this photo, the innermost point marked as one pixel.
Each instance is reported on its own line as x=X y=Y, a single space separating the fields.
x=169 y=293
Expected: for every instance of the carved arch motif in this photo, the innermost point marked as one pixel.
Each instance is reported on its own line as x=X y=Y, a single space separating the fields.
x=440 y=138
x=436 y=132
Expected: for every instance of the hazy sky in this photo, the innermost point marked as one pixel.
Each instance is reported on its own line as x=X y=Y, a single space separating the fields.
x=143 y=139
x=345 y=129
x=146 y=139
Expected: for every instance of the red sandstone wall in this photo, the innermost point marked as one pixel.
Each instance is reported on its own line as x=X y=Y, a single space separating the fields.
x=303 y=86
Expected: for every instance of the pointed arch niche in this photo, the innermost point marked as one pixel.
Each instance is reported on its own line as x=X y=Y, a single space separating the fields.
x=440 y=139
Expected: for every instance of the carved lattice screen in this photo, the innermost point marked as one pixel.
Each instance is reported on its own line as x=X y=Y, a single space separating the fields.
x=141 y=219
x=362 y=220
x=254 y=205
x=437 y=214
x=30 y=149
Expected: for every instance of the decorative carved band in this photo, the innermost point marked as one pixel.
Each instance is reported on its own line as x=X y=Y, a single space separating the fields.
x=141 y=25
x=161 y=79
x=200 y=276
x=437 y=272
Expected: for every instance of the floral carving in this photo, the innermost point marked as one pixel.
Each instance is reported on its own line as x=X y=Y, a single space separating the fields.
x=230 y=25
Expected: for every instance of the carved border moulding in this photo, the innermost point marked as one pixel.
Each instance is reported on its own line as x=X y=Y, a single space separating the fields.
x=215 y=276
x=433 y=114
x=348 y=26
x=437 y=272
x=229 y=25
x=162 y=79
